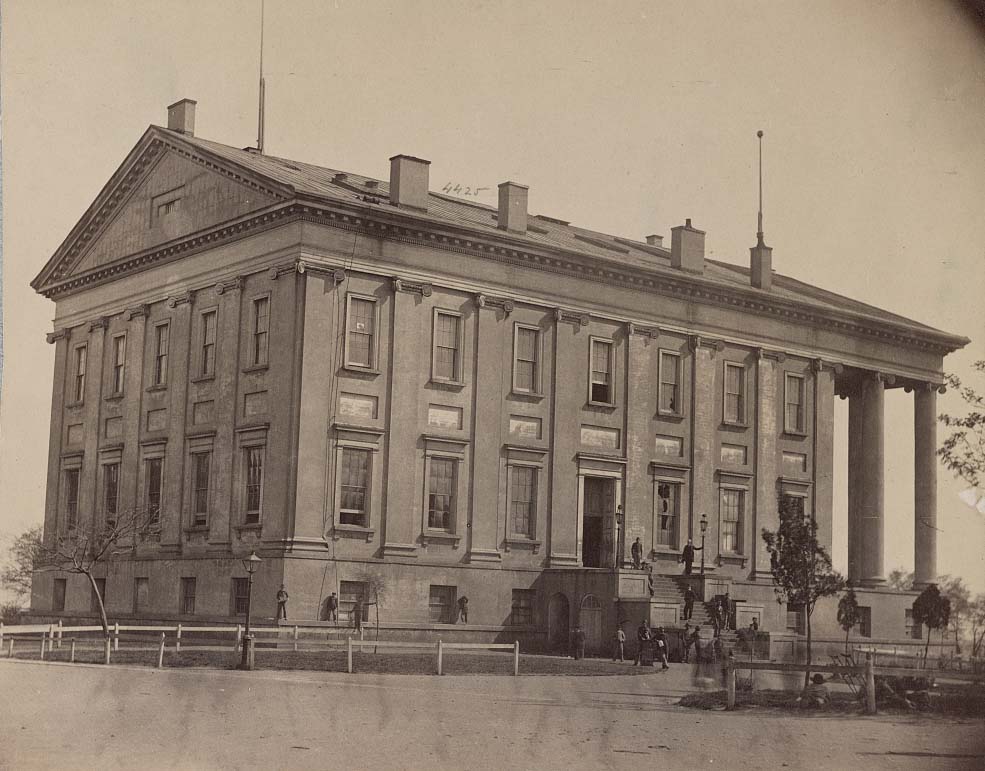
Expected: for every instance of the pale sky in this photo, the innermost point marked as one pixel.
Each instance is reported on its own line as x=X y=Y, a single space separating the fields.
x=623 y=117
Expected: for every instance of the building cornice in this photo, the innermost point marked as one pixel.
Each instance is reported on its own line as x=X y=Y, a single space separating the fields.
x=398 y=225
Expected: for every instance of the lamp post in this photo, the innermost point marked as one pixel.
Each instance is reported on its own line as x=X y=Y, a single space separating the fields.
x=704 y=528
x=250 y=565
x=620 y=519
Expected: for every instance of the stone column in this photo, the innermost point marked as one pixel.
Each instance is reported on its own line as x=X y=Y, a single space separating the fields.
x=925 y=485
x=60 y=337
x=856 y=412
x=823 y=455
x=134 y=387
x=873 y=469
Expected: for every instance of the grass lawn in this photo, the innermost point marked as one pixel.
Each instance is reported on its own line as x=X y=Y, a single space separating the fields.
x=953 y=700
x=366 y=662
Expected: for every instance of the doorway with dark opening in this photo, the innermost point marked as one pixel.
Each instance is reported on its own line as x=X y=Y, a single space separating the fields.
x=598 y=522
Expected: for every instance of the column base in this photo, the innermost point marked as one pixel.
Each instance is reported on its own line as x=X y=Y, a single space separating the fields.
x=870 y=583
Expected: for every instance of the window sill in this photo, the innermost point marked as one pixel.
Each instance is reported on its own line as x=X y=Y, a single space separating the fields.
x=530 y=543
x=114 y=397
x=255 y=368
x=203 y=378
x=247 y=526
x=447 y=385
x=530 y=396
x=157 y=387
x=75 y=404
x=197 y=528
x=734 y=425
x=602 y=405
x=793 y=434
x=354 y=369
x=452 y=538
x=340 y=530
x=732 y=558
x=668 y=415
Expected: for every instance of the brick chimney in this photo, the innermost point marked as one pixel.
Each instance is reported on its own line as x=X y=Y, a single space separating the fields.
x=181 y=117
x=409 y=182
x=655 y=240
x=512 y=207
x=687 y=248
x=761 y=264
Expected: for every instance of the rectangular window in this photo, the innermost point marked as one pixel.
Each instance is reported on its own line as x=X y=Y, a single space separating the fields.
x=72 y=497
x=201 y=472
x=253 y=462
x=58 y=595
x=360 y=347
x=526 y=359
x=168 y=207
x=793 y=401
x=670 y=380
x=441 y=493
x=522 y=608
x=795 y=618
x=668 y=497
x=864 y=626
x=141 y=589
x=111 y=492
x=523 y=500
x=441 y=604
x=119 y=362
x=601 y=390
x=155 y=482
x=261 y=330
x=735 y=393
x=207 y=363
x=93 y=599
x=240 y=594
x=349 y=593
x=913 y=630
x=188 y=596
x=80 y=373
x=447 y=343
x=162 y=334
x=353 y=485
x=733 y=502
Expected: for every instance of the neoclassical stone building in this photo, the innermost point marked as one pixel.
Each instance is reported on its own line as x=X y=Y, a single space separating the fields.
x=365 y=378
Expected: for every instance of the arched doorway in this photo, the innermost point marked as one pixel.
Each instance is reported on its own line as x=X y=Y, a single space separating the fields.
x=590 y=619
x=558 y=621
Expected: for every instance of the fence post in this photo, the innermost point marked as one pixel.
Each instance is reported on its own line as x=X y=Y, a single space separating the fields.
x=295 y=638
x=516 y=658
x=51 y=637
x=239 y=635
x=870 y=686
x=71 y=657
x=730 y=682
x=348 y=654
x=59 y=633
x=42 y=646
x=177 y=640
x=439 y=656
x=108 y=646
x=116 y=636
x=160 y=653
x=1 y=634
x=10 y=650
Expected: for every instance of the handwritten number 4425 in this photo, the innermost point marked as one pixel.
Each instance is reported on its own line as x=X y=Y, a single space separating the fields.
x=457 y=189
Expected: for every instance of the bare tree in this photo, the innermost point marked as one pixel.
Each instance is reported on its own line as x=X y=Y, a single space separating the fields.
x=376 y=587
x=81 y=549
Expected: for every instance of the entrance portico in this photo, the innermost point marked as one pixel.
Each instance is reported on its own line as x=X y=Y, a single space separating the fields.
x=865 y=391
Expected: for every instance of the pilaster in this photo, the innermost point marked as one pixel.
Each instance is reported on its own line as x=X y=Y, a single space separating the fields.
x=567 y=401
x=130 y=496
x=88 y=492
x=704 y=486
x=766 y=512
x=823 y=455
x=640 y=407
x=60 y=338
x=227 y=377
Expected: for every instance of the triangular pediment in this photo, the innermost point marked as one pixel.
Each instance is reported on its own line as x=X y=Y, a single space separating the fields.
x=167 y=189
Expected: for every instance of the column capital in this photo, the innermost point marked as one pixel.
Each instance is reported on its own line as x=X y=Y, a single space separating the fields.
x=229 y=285
x=423 y=288
x=882 y=377
x=98 y=323
x=137 y=311
x=819 y=365
x=184 y=297
x=638 y=329
x=486 y=301
x=579 y=319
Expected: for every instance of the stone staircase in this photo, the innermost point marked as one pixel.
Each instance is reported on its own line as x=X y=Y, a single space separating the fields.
x=669 y=588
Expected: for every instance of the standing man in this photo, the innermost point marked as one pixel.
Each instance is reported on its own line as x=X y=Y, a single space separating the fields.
x=619 y=644
x=642 y=641
x=689 y=597
x=578 y=640
x=686 y=642
x=332 y=606
x=687 y=556
x=463 y=609
x=357 y=614
x=282 y=603
x=660 y=644
x=637 y=551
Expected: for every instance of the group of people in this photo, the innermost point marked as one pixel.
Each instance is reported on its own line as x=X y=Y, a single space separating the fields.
x=651 y=645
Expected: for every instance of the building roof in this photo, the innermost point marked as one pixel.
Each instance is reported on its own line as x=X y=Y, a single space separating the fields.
x=297 y=179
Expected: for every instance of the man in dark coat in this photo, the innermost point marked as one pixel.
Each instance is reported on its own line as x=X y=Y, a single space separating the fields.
x=642 y=641
x=637 y=552
x=578 y=641
x=282 y=603
x=689 y=598
x=687 y=556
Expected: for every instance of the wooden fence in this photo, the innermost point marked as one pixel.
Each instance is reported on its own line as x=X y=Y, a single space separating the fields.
x=866 y=671
x=51 y=636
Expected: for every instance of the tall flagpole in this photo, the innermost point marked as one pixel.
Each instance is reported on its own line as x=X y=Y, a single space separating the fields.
x=759 y=233
x=263 y=88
